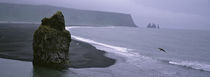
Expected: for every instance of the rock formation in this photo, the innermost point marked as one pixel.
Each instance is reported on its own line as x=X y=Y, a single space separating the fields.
x=51 y=43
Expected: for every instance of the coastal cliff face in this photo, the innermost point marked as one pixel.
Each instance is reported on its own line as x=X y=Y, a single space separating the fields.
x=51 y=42
x=33 y=13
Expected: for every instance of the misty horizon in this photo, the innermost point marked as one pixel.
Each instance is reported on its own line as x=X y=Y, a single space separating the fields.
x=169 y=14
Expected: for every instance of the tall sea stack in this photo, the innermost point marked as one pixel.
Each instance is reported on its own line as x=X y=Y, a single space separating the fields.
x=51 y=43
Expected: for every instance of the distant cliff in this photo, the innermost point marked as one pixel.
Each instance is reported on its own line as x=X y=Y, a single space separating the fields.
x=33 y=13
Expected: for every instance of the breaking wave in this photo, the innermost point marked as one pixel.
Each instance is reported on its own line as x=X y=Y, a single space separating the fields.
x=132 y=57
x=193 y=65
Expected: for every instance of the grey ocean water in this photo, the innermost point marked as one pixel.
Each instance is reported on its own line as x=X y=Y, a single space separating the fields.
x=136 y=51
x=188 y=51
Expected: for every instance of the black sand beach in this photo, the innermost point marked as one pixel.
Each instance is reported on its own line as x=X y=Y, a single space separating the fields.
x=16 y=43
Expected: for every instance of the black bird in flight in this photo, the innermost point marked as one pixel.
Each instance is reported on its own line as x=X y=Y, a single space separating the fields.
x=161 y=49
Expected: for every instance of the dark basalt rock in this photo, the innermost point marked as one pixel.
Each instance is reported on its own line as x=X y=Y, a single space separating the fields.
x=56 y=21
x=51 y=43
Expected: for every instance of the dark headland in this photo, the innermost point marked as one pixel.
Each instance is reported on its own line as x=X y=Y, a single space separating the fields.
x=16 y=43
x=33 y=13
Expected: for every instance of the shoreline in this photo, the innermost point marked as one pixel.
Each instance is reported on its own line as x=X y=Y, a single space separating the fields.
x=16 y=44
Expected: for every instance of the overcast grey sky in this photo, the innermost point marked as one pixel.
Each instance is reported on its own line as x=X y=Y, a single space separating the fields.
x=193 y=14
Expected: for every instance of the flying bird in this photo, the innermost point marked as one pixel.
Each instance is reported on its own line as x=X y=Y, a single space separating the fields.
x=161 y=49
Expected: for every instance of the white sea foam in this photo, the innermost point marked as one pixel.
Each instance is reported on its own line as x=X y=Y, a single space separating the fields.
x=132 y=57
x=194 y=65
x=118 y=50
x=122 y=50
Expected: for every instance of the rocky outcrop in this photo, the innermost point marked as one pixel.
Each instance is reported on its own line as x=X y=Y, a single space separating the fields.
x=51 y=42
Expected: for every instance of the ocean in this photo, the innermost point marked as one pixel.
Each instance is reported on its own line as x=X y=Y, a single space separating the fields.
x=187 y=51
x=136 y=51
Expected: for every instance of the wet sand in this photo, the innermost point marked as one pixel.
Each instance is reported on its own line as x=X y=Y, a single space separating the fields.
x=16 y=43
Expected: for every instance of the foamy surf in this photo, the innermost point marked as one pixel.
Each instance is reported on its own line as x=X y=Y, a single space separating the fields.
x=193 y=65
x=136 y=58
x=132 y=57
x=141 y=61
x=121 y=49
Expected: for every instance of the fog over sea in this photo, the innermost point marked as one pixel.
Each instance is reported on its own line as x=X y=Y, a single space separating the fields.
x=136 y=52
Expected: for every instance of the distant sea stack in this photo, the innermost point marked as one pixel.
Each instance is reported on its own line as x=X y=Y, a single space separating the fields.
x=152 y=25
x=51 y=43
